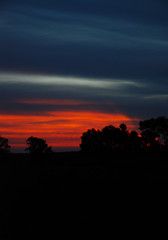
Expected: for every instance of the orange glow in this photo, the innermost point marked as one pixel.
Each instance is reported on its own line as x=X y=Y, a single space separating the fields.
x=60 y=129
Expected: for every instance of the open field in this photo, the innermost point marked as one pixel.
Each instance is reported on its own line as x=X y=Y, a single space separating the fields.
x=70 y=194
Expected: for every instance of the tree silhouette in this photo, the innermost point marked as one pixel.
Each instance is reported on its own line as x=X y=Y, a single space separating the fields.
x=91 y=140
x=134 y=141
x=4 y=146
x=123 y=136
x=153 y=137
x=162 y=124
x=37 y=146
x=154 y=131
x=108 y=139
x=123 y=127
x=111 y=137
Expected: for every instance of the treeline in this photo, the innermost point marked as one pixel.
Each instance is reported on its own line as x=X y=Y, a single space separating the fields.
x=153 y=137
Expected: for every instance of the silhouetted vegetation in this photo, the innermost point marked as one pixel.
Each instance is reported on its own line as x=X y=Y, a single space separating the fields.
x=155 y=132
x=37 y=146
x=153 y=137
x=4 y=146
x=58 y=197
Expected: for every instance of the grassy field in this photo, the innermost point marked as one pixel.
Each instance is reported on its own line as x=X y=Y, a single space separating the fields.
x=79 y=196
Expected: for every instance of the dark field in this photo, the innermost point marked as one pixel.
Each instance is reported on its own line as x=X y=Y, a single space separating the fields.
x=70 y=195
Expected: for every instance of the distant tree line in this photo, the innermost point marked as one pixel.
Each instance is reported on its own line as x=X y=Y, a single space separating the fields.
x=35 y=146
x=153 y=137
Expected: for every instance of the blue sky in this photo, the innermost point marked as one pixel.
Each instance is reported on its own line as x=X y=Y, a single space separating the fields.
x=87 y=50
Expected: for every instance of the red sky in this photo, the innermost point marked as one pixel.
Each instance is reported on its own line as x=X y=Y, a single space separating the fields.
x=58 y=128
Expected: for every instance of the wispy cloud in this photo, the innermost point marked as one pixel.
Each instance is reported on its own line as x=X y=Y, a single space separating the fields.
x=157 y=97
x=123 y=40
x=67 y=81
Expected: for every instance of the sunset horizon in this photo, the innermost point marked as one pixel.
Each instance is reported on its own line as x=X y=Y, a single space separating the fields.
x=83 y=118
x=61 y=130
x=69 y=66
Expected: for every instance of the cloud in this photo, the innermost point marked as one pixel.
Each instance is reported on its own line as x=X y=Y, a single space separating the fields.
x=38 y=94
x=145 y=10
x=51 y=40
x=157 y=97
x=66 y=81
x=42 y=93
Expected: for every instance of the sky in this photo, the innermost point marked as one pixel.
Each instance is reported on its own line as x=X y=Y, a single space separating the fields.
x=67 y=66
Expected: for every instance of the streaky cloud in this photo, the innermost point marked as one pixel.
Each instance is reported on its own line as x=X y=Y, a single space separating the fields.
x=67 y=81
x=157 y=97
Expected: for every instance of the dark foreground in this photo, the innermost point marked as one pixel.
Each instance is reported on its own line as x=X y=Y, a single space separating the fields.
x=69 y=195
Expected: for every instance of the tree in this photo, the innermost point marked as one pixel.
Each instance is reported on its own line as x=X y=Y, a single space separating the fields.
x=107 y=139
x=124 y=134
x=123 y=127
x=4 y=146
x=37 y=146
x=111 y=137
x=154 y=131
x=91 y=140
x=162 y=124
x=134 y=141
